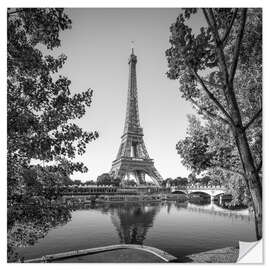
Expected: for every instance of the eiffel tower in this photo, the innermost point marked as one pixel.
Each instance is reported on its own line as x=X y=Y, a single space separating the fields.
x=133 y=161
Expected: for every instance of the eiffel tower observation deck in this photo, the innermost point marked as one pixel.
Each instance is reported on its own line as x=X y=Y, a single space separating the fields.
x=133 y=161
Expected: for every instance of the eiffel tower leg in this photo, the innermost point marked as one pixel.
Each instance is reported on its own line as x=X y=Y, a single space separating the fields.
x=154 y=174
x=140 y=175
x=119 y=173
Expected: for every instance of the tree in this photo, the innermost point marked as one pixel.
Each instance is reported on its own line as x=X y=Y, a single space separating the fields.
x=192 y=178
x=28 y=224
x=104 y=179
x=107 y=180
x=167 y=182
x=131 y=183
x=205 y=180
x=40 y=106
x=220 y=73
x=116 y=182
x=77 y=182
x=181 y=181
x=90 y=182
x=208 y=146
x=193 y=148
x=40 y=111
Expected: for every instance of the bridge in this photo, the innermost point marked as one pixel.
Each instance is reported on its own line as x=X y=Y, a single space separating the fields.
x=210 y=190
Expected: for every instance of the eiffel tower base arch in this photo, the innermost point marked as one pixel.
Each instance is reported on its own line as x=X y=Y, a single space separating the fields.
x=136 y=169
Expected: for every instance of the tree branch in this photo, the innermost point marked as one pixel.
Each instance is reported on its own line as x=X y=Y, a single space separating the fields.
x=219 y=48
x=206 y=17
x=231 y=170
x=214 y=26
x=12 y=12
x=257 y=115
x=259 y=166
x=212 y=97
x=213 y=84
x=224 y=39
x=209 y=114
x=15 y=11
x=238 y=44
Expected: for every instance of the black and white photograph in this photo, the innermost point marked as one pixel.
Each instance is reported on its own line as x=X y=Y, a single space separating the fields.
x=134 y=134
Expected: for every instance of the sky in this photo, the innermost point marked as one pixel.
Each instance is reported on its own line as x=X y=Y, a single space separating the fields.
x=98 y=47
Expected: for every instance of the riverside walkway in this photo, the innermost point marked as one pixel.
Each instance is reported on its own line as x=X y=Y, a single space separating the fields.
x=81 y=255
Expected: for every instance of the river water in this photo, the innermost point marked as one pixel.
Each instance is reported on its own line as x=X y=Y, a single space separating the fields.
x=178 y=228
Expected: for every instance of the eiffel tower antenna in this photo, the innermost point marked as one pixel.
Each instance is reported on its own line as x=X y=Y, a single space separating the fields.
x=133 y=159
x=132 y=46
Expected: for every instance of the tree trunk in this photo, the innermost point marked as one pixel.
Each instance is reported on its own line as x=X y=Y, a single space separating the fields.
x=251 y=177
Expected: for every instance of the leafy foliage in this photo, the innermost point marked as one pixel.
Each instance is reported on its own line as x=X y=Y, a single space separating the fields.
x=220 y=72
x=40 y=106
x=208 y=146
x=107 y=180
x=31 y=221
x=40 y=114
x=194 y=148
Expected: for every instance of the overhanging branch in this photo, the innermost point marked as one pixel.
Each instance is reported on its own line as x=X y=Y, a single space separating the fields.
x=256 y=116
x=224 y=39
x=214 y=25
x=238 y=44
x=15 y=11
x=231 y=170
x=259 y=167
x=213 y=84
x=209 y=114
x=210 y=18
x=206 y=17
x=212 y=97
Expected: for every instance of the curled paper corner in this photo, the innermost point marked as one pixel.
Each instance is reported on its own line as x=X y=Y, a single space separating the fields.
x=250 y=252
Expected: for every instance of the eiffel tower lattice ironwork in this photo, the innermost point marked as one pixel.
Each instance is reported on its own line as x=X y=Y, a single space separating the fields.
x=133 y=161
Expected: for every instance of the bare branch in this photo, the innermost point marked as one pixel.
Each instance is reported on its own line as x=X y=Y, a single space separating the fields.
x=224 y=39
x=212 y=97
x=238 y=44
x=257 y=115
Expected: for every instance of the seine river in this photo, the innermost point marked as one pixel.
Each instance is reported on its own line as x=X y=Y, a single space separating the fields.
x=178 y=228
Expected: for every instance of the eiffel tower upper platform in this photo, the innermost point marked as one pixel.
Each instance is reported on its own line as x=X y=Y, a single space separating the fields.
x=133 y=161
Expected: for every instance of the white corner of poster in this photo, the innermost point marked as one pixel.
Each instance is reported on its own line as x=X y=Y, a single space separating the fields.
x=250 y=252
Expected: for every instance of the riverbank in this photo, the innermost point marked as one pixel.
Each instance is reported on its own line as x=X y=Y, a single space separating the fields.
x=223 y=255
x=138 y=254
x=115 y=256
x=113 y=253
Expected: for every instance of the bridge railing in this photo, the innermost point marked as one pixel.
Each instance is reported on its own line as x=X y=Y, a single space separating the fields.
x=198 y=187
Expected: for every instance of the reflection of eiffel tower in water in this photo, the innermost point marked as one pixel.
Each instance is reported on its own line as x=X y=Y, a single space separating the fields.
x=133 y=221
x=133 y=159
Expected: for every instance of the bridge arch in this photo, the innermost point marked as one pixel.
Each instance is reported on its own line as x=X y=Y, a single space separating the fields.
x=211 y=191
x=180 y=192
x=200 y=192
